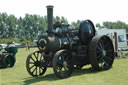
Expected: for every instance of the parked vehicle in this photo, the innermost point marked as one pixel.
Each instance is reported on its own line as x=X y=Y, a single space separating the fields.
x=7 y=57
x=121 y=36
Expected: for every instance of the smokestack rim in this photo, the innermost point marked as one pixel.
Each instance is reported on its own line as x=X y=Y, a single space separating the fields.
x=50 y=6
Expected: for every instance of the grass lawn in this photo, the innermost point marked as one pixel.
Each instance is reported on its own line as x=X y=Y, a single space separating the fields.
x=117 y=75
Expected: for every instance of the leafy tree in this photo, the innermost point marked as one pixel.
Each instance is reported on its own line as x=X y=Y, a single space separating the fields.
x=19 y=28
x=3 y=25
x=75 y=24
x=11 y=26
x=25 y=28
x=64 y=20
x=113 y=25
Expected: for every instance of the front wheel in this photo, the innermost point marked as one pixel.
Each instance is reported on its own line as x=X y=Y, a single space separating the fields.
x=35 y=64
x=62 y=64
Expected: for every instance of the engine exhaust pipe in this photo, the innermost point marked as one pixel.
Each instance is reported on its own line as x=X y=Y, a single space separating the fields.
x=50 y=18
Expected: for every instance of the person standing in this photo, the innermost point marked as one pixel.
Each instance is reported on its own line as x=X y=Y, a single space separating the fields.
x=26 y=46
x=13 y=49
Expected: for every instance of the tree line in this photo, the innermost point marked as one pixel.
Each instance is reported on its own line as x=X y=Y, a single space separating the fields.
x=23 y=29
x=113 y=25
x=28 y=28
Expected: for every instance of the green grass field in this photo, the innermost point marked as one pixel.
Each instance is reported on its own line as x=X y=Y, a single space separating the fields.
x=117 y=75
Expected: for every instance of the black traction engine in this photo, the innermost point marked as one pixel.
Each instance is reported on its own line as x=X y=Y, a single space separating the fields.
x=67 y=49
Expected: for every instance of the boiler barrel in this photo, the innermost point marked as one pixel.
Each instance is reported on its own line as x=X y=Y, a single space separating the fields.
x=52 y=43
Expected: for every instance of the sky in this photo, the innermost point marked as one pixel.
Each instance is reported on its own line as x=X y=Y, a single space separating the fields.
x=95 y=10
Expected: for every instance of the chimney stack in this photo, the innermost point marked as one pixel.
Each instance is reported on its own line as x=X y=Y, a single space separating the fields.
x=50 y=18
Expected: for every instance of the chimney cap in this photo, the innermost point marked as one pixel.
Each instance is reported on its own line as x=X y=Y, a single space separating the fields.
x=50 y=6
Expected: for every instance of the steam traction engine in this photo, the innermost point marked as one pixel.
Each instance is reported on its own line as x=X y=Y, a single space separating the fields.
x=7 y=57
x=65 y=49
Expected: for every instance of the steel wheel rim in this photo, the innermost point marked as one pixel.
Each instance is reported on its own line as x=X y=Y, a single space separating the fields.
x=9 y=61
x=34 y=64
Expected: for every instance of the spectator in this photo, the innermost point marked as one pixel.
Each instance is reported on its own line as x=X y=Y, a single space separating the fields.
x=13 y=50
x=26 y=46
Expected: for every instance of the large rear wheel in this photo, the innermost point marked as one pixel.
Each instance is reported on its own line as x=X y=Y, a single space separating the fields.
x=101 y=52
x=8 y=61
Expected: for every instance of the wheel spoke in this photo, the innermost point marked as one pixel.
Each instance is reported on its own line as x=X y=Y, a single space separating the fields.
x=99 y=58
x=108 y=58
x=109 y=51
x=107 y=45
x=41 y=57
x=101 y=64
x=35 y=56
x=62 y=57
x=31 y=66
x=100 y=45
x=59 y=63
x=31 y=63
x=34 y=70
x=32 y=59
x=66 y=68
x=67 y=58
x=106 y=64
x=42 y=68
x=98 y=50
x=39 y=70
x=60 y=69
